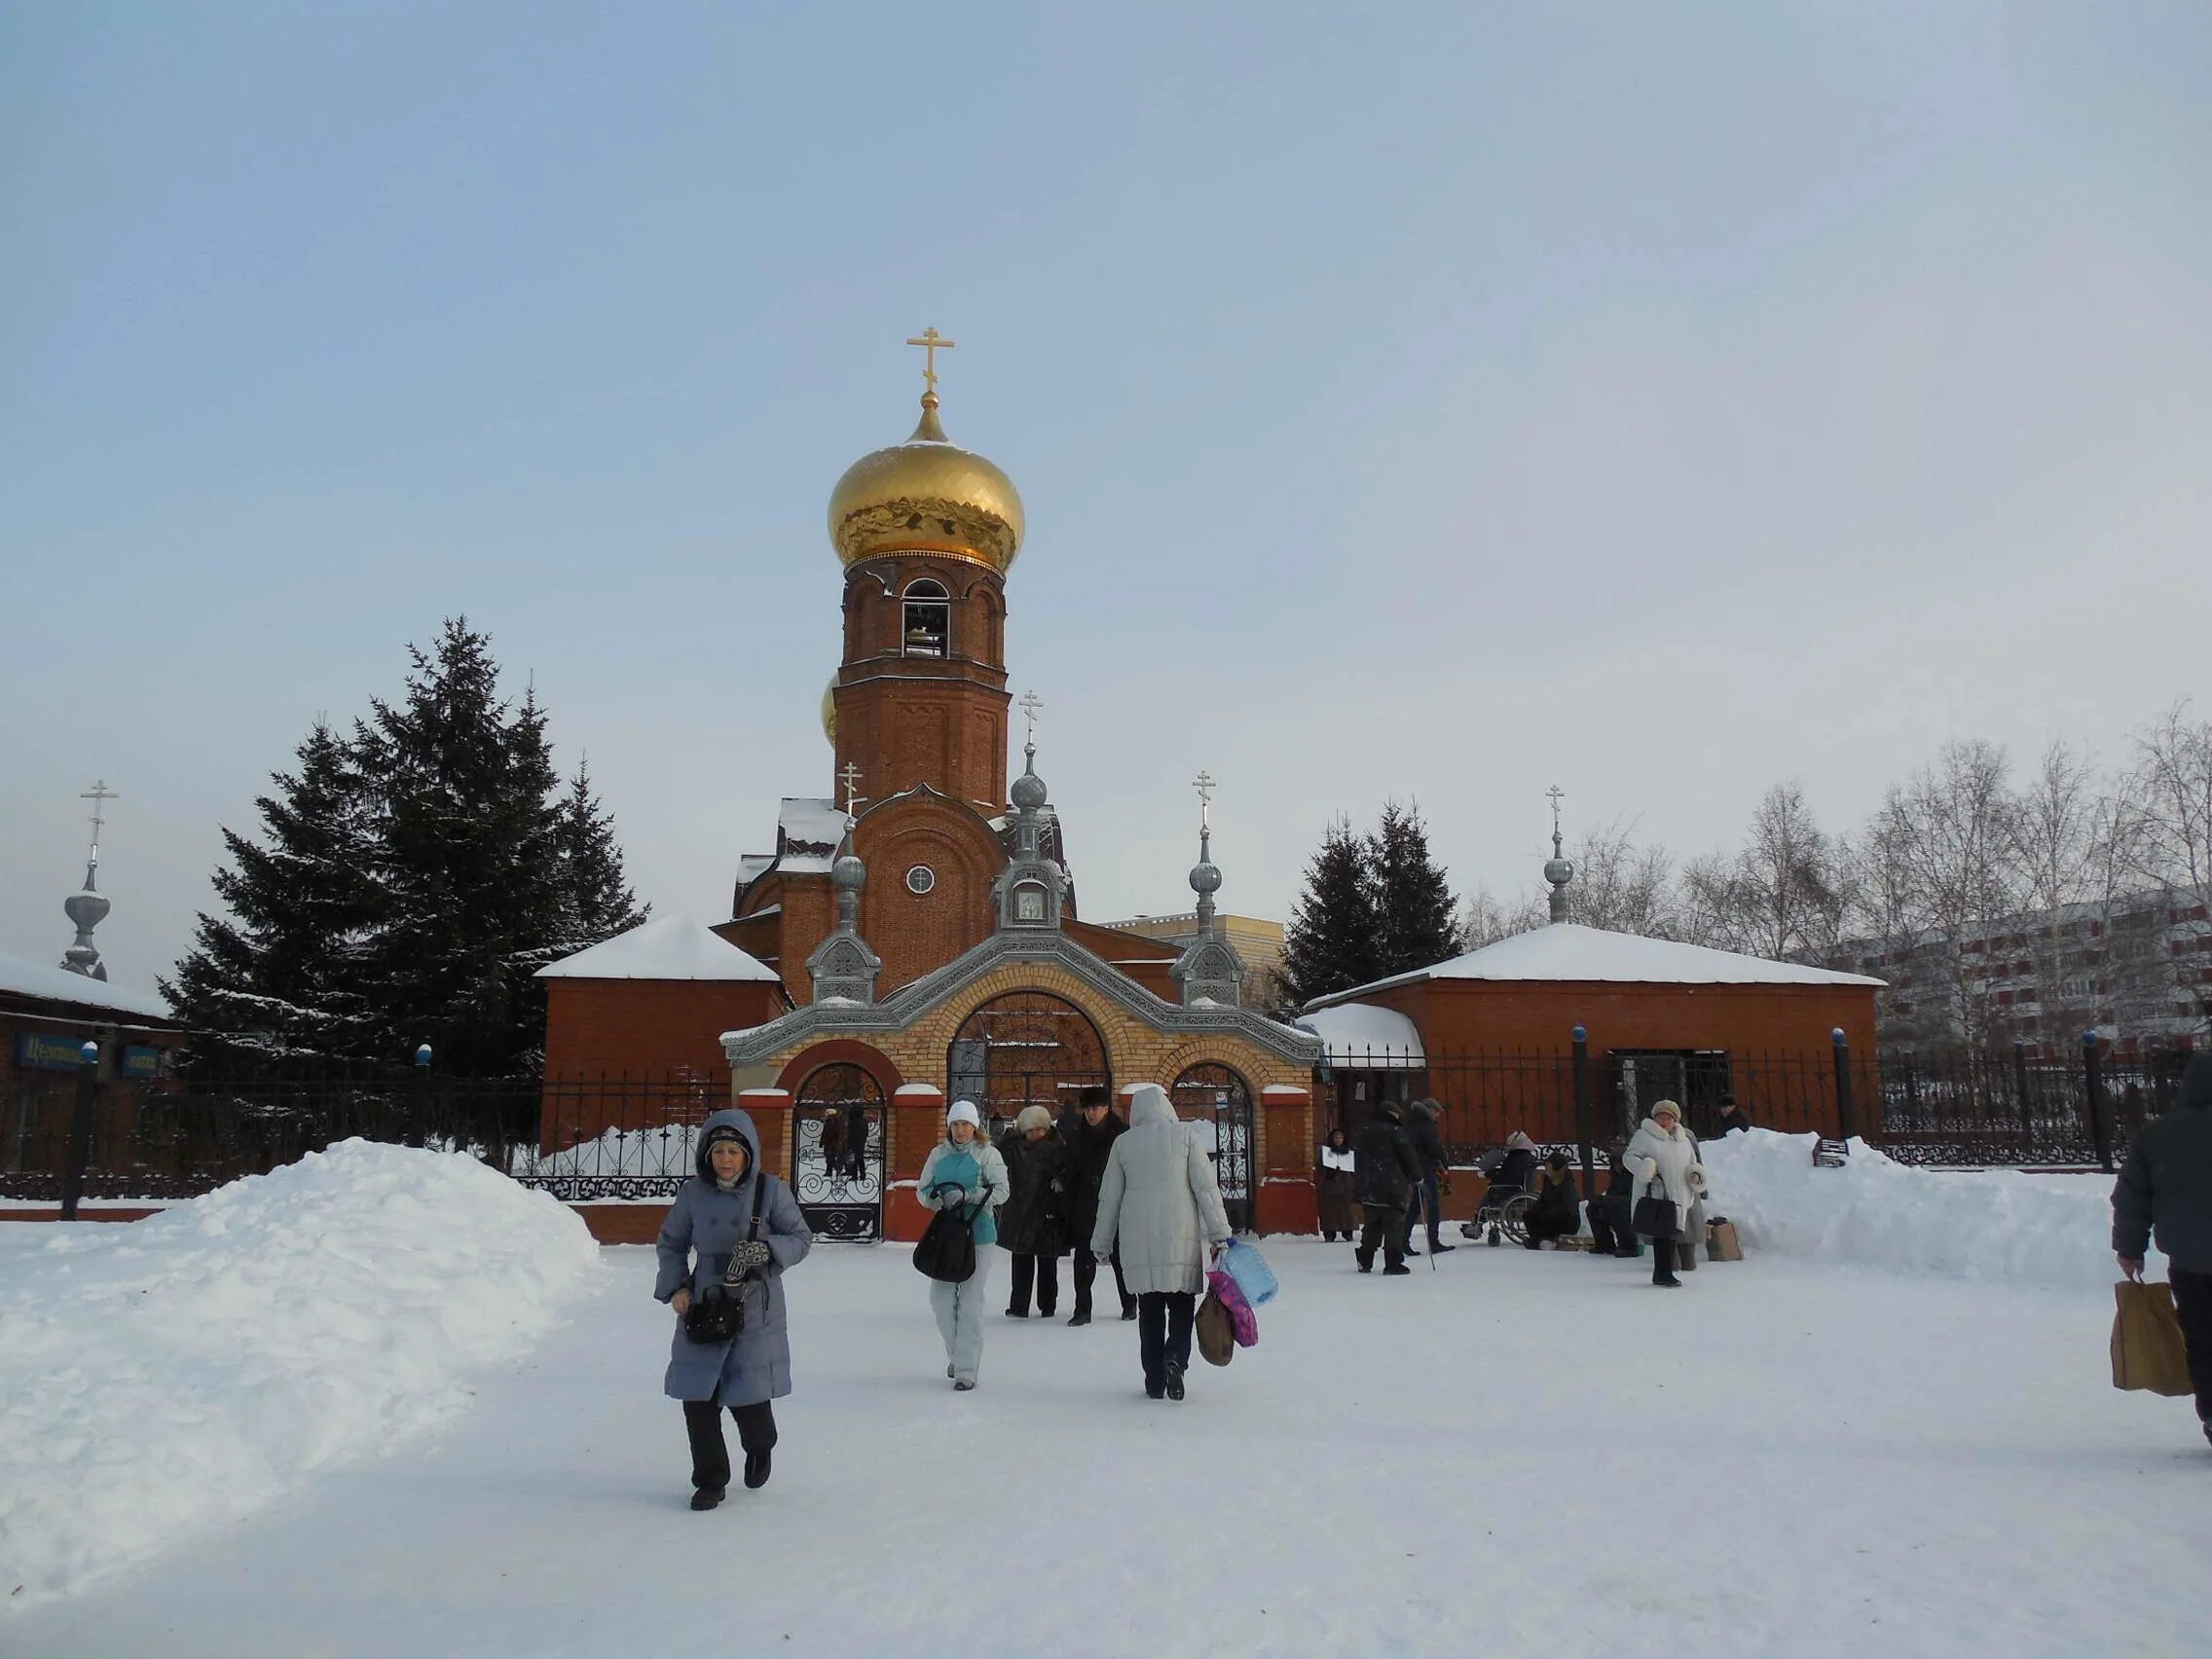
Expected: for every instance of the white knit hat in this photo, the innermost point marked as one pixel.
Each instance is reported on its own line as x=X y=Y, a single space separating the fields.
x=964 y=1112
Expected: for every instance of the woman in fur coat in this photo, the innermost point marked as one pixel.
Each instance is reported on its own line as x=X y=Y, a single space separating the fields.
x=1662 y=1155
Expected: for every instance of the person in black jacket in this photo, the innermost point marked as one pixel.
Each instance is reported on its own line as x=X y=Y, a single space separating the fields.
x=1609 y=1232
x=1090 y=1131
x=2166 y=1185
x=1033 y=1222
x=1428 y=1148
x=1388 y=1170
x=1557 y=1211
x=1732 y=1116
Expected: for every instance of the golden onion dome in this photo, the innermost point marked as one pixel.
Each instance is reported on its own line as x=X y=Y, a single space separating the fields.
x=829 y=711
x=926 y=495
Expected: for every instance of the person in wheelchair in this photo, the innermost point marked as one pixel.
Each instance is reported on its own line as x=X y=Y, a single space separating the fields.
x=1555 y=1211
x=1505 y=1200
x=1517 y=1169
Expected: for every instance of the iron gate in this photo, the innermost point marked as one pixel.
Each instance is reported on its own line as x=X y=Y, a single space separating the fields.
x=837 y=1158
x=1217 y=1104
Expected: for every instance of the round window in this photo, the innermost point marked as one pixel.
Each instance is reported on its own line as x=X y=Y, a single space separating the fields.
x=920 y=879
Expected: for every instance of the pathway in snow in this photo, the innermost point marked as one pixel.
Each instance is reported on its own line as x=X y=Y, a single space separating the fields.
x=1517 y=1454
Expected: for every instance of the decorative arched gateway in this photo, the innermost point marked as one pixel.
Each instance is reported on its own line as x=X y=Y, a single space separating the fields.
x=1024 y=1049
x=1213 y=1095
x=837 y=1161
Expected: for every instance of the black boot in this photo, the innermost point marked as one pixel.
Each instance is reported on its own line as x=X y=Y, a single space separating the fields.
x=1174 y=1381
x=706 y=1497
x=1081 y=1316
x=755 y=1469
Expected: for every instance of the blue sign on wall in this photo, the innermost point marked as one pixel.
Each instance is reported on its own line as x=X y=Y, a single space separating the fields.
x=47 y=1051
x=141 y=1061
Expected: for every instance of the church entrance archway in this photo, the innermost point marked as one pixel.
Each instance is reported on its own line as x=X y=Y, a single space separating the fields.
x=1024 y=1049
x=1218 y=1102
x=837 y=1161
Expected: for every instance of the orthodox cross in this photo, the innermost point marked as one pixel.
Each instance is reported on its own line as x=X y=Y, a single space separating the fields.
x=99 y=794
x=932 y=343
x=851 y=778
x=1030 y=704
x=1203 y=782
x=1555 y=794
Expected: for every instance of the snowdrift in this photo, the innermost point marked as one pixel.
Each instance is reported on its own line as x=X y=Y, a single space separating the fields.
x=1995 y=1225
x=185 y=1370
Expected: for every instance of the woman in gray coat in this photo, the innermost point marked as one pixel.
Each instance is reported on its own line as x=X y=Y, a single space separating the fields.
x=1161 y=1199
x=744 y=1228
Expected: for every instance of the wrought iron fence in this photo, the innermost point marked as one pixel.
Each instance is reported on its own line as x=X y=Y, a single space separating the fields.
x=1957 y=1108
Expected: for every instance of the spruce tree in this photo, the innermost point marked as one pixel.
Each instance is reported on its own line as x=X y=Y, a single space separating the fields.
x=1330 y=943
x=274 y=987
x=1415 y=911
x=597 y=902
x=469 y=863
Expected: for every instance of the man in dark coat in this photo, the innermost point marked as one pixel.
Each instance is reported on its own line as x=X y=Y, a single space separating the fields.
x=1388 y=1170
x=2165 y=1188
x=1732 y=1116
x=1425 y=1201
x=1609 y=1232
x=1090 y=1131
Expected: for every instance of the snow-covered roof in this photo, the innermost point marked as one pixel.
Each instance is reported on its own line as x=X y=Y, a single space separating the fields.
x=666 y=947
x=1570 y=951
x=27 y=979
x=1363 y=1036
x=811 y=830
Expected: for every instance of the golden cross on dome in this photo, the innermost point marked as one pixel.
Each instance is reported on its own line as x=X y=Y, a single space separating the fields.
x=932 y=343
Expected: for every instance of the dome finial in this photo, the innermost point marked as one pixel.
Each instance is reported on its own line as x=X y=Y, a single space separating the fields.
x=1558 y=869
x=928 y=430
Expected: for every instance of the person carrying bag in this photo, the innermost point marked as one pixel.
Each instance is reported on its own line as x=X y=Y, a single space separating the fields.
x=1663 y=1159
x=964 y=1177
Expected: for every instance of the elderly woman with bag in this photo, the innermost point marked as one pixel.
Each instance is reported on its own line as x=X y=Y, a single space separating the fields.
x=1033 y=1221
x=730 y=1234
x=1333 y=1175
x=1662 y=1155
x=964 y=1175
x=1161 y=1201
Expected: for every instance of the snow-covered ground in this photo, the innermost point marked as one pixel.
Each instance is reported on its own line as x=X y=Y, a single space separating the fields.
x=1516 y=1453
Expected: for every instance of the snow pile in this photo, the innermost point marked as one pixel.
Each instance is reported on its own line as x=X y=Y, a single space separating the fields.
x=185 y=1370
x=1993 y=1225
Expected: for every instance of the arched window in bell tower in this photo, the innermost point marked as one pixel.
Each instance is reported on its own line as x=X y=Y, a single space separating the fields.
x=926 y=619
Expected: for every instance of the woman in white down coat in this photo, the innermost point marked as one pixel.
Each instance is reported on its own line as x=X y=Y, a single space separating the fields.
x=1662 y=1155
x=1161 y=1199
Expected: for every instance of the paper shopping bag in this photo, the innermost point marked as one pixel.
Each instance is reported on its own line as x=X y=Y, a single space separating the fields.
x=2147 y=1349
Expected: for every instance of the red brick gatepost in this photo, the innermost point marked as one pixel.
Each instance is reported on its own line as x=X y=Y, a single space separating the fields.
x=1287 y=1199
x=770 y=1110
x=917 y=1124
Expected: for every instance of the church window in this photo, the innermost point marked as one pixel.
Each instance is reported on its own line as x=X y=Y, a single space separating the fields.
x=921 y=879
x=926 y=625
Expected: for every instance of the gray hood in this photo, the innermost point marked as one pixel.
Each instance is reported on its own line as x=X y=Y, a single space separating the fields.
x=728 y=1118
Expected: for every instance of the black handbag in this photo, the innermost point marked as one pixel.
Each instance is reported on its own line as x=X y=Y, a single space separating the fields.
x=947 y=1251
x=716 y=1314
x=1655 y=1217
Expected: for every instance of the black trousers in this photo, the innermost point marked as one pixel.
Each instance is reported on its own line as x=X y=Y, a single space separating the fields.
x=1086 y=1269
x=1045 y=1271
x=1426 y=1209
x=1164 y=1332
x=1662 y=1254
x=710 y=1452
x=2193 y=1305
x=1543 y=1227
x=1387 y=1228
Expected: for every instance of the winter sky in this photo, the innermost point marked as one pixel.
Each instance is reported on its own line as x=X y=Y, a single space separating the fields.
x=1447 y=401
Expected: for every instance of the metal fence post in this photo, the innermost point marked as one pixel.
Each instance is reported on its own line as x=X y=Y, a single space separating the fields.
x=80 y=1130
x=1583 y=1110
x=1847 y=1118
x=2093 y=1078
x=418 y=1130
x=2027 y=1102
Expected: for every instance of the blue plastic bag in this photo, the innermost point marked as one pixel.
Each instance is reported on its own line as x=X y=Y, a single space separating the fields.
x=1244 y=1264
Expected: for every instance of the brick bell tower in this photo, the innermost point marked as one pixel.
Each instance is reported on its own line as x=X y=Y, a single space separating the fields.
x=926 y=531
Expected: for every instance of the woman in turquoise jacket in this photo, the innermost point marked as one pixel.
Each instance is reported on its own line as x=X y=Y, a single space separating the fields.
x=965 y=1173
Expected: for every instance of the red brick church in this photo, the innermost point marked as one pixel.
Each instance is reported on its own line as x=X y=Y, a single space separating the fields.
x=913 y=935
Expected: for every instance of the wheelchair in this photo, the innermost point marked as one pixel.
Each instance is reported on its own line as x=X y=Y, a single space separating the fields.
x=1503 y=1213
